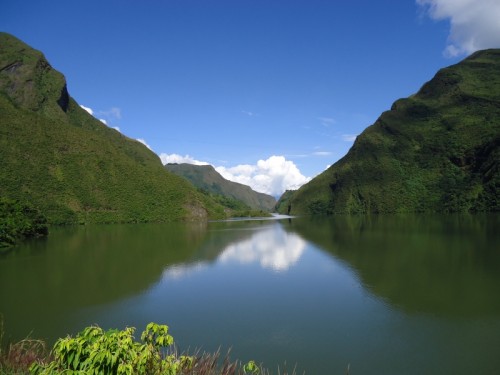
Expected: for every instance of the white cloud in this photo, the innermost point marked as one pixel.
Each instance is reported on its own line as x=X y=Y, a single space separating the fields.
x=349 y=137
x=89 y=110
x=326 y=121
x=474 y=24
x=179 y=159
x=113 y=112
x=144 y=143
x=111 y=116
x=322 y=153
x=271 y=176
x=248 y=113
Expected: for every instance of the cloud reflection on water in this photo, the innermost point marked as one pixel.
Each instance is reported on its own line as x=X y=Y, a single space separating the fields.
x=271 y=247
x=178 y=271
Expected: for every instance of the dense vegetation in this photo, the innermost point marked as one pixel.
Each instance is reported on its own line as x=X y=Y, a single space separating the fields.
x=233 y=207
x=207 y=178
x=436 y=151
x=284 y=204
x=19 y=220
x=95 y=351
x=70 y=165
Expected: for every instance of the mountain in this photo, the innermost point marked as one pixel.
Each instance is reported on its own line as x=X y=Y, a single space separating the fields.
x=69 y=165
x=436 y=151
x=207 y=178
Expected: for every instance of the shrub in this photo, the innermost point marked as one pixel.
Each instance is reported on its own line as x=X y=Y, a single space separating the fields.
x=19 y=220
x=95 y=351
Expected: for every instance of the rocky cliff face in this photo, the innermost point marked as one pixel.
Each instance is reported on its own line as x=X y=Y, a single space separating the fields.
x=436 y=151
x=29 y=80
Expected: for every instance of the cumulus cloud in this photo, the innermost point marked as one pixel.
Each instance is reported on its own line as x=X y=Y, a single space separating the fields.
x=179 y=159
x=271 y=176
x=474 y=24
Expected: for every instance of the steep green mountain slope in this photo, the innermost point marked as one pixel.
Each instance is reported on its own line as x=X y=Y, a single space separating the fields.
x=207 y=178
x=71 y=166
x=436 y=151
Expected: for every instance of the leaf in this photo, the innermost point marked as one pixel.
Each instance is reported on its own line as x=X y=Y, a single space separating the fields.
x=251 y=368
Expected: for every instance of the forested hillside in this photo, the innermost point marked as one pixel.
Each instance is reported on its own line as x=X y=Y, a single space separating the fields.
x=68 y=164
x=207 y=178
x=436 y=151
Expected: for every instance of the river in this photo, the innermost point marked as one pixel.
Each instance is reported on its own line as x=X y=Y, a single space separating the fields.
x=378 y=294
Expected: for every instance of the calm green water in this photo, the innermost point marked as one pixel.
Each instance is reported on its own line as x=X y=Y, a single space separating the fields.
x=387 y=295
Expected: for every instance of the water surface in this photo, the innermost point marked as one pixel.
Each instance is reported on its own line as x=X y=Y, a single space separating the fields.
x=386 y=294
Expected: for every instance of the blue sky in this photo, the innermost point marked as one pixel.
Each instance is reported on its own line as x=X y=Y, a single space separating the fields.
x=269 y=92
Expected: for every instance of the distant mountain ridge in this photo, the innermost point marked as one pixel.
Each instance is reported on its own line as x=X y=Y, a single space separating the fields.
x=207 y=178
x=436 y=151
x=68 y=164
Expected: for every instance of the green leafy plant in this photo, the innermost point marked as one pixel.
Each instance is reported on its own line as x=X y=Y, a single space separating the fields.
x=251 y=368
x=95 y=351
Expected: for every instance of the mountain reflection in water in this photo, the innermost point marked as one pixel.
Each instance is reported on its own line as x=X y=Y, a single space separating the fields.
x=387 y=294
